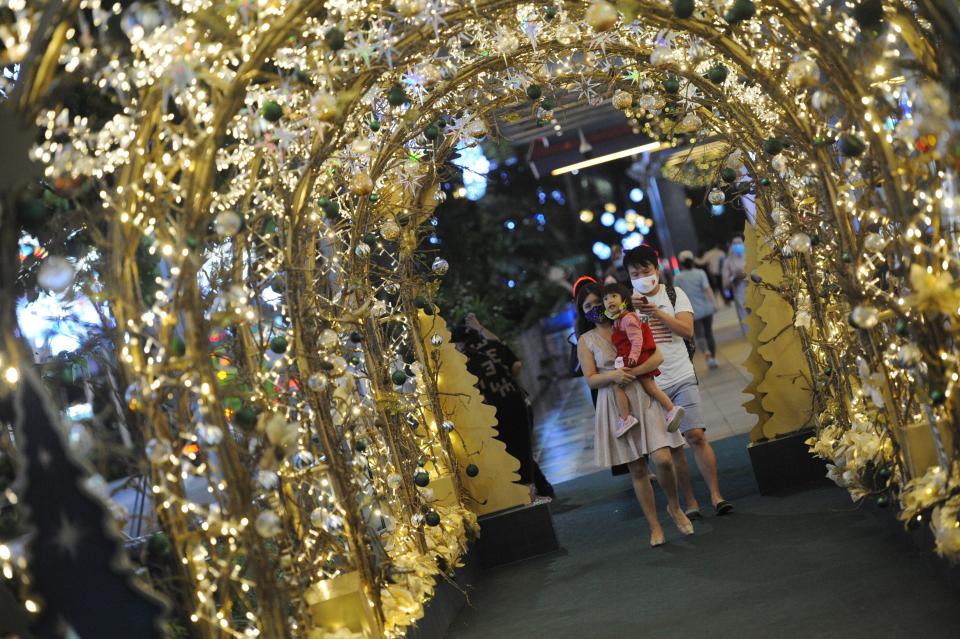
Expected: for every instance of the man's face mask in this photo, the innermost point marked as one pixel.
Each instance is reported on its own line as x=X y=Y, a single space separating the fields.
x=738 y=249
x=645 y=285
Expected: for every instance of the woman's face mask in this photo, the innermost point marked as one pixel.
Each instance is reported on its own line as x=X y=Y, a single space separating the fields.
x=594 y=314
x=738 y=249
x=645 y=285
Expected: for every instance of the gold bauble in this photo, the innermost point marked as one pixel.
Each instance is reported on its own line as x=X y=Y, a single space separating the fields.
x=389 y=229
x=410 y=8
x=803 y=73
x=601 y=15
x=361 y=184
x=622 y=100
x=567 y=33
x=324 y=107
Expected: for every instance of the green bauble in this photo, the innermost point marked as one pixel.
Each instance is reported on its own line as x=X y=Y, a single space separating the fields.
x=271 y=111
x=356 y=337
x=773 y=146
x=374 y=124
x=278 y=344
x=727 y=174
x=902 y=327
x=472 y=470
x=534 y=92
x=177 y=346
x=370 y=238
x=885 y=473
x=245 y=417
x=548 y=104
x=765 y=181
x=937 y=397
x=431 y=132
x=718 y=74
x=851 y=145
x=398 y=377
x=421 y=479
x=550 y=12
x=827 y=370
x=360 y=446
x=740 y=11
x=330 y=207
x=432 y=518
x=335 y=39
x=883 y=501
x=846 y=258
x=374 y=198
x=159 y=547
x=683 y=9
x=396 y=95
x=672 y=85
x=421 y=461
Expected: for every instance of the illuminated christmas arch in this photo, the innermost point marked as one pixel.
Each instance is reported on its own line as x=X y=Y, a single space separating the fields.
x=307 y=143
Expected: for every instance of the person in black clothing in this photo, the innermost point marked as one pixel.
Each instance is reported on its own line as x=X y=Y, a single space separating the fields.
x=496 y=368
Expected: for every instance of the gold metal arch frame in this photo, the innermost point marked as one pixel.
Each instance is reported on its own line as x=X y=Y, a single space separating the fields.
x=255 y=180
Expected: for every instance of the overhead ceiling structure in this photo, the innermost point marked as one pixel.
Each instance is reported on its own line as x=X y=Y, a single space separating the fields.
x=577 y=131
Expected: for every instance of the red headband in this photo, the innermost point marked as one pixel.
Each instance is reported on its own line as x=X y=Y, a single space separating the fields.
x=581 y=280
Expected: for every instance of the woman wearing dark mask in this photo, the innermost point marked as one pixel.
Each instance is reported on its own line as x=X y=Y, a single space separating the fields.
x=648 y=438
x=496 y=367
x=735 y=278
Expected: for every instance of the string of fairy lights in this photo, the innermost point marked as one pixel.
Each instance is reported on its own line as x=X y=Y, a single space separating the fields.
x=264 y=175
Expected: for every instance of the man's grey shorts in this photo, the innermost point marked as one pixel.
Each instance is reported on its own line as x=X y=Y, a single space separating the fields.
x=687 y=394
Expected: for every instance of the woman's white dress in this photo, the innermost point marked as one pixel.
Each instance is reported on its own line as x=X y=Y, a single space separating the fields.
x=641 y=440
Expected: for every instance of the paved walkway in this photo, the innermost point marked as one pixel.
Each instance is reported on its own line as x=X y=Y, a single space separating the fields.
x=564 y=435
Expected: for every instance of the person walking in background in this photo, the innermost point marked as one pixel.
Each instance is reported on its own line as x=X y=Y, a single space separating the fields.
x=671 y=320
x=497 y=369
x=735 y=278
x=695 y=284
x=713 y=261
x=616 y=273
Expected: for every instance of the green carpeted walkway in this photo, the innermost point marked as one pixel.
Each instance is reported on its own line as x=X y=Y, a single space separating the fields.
x=807 y=565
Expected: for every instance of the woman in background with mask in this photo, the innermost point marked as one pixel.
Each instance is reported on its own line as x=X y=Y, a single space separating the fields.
x=735 y=278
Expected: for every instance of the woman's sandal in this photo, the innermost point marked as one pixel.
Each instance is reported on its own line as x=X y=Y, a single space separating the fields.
x=693 y=514
x=657 y=540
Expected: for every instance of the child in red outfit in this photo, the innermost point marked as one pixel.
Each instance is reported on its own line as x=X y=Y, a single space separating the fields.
x=634 y=343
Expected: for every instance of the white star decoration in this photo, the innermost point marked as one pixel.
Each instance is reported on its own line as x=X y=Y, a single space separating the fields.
x=67 y=538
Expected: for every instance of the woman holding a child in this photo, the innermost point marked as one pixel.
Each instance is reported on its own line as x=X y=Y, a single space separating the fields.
x=649 y=436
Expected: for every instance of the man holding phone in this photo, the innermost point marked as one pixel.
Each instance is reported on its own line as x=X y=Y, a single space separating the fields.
x=670 y=315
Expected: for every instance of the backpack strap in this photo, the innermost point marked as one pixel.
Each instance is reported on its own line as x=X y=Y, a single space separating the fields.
x=672 y=296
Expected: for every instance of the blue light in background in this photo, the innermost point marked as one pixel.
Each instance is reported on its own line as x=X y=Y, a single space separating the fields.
x=601 y=250
x=717 y=209
x=644 y=229
x=510 y=225
x=558 y=197
x=541 y=196
x=511 y=283
x=608 y=218
x=630 y=212
x=636 y=195
x=632 y=241
x=434 y=239
x=475 y=167
x=540 y=218
x=621 y=226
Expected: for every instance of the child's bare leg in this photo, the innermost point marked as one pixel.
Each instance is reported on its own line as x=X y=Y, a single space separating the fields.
x=650 y=388
x=623 y=402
